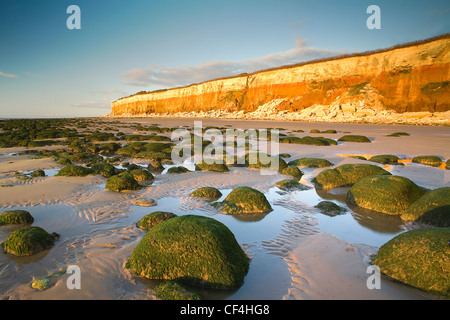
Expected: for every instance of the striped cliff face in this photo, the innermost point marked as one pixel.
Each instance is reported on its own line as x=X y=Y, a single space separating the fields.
x=410 y=78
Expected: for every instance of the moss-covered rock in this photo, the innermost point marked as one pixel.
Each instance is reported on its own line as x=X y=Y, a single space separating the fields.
x=433 y=161
x=104 y=169
x=432 y=208
x=47 y=281
x=38 y=173
x=314 y=141
x=155 y=166
x=290 y=184
x=216 y=167
x=193 y=249
x=330 y=208
x=293 y=172
x=172 y=290
x=387 y=194
x=419 y=258
x=247 y=200
x=16 y=217
x=346 y=175
x=122 y=181
x=28 y=241
x=207 y=192
x=74 y=171
x=258 y=160
x=354 y=138
x=398 y=134
x=310 y=162
x=141 y=175
x=152 y=219
x=178 y=169
x=385 y=159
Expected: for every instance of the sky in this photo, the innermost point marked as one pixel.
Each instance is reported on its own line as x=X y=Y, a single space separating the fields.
x=125 y=46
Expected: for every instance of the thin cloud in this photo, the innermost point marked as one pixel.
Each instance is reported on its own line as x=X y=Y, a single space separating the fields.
x=8 y=75
x=167 y=77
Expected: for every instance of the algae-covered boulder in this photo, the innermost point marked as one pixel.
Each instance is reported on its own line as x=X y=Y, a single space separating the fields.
x=248 y=200
x=330 y=208
x=210 y=165
x=290 y=184
x=419 y=258
x=172 y=290
x=141 y=175
x=310 y=162
x=293 y=172
x=122 y=181
x=193 y=249
x=104 y=169
x=74 y=171
x=152 y=219
x=38 y=173
x=386 y=194
x=433 y=161
x=354 y=138
x=346 y=175
x=178 y=169
x=207 y=192
x=15 y=217
x=28 y=241
x=260 y=160
x=385 y=159
x=432 y=208
x=314 y=141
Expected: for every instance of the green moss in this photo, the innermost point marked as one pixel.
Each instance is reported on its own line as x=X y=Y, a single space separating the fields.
x=153 y=155
x=311 y=162
x=104 y=169
x=433 y=161
x=141 y=175
x=315 y=141
x=74 y=171
x=354 y=138
x=28 y=241
x=47 y=281
x=38 y=173
x=216 y=167
x=387 y=194
x=330 y=208
x=207 y=192
x=290 y=184
x=172 y=290
x=346 y=175
x=432 y=208
x=193 y=249
x=385 y=159
x=16 y=217
x=248 y=200
x=122 y=181
x=179 y=169
x=152 y=219
x=418 y=258
x=293 y=172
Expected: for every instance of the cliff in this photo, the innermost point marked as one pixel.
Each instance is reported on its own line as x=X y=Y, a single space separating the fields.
x=409 y=78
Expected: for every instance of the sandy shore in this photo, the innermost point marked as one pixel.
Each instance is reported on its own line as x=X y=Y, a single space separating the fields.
x=99 y=233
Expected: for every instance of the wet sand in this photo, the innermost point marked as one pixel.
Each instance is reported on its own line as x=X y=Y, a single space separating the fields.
x=300 y=253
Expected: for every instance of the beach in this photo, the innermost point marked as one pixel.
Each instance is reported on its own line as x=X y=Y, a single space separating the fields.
x=296 y=252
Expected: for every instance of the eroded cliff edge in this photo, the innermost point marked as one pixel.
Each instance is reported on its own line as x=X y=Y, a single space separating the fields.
x=409 y=78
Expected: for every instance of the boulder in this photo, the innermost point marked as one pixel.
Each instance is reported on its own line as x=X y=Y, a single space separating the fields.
x=15 y=217
x=122 y=181
x=152 y=219
x=207 y=192
x=193 y=249
x=247 y=200
x=433 y=161
x=418 y=258
x=28 y=241
x=310 y=162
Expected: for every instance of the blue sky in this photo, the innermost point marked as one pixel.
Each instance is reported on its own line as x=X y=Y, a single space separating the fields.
x=47 y=70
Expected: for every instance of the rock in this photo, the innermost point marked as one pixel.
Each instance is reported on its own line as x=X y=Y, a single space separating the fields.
x=354 y=138
x=386 y=194
x=179 y=169
x=144 y=202
x=346 y=175
x=16 y=217
x=293 y=172
x=216 y=167
x=433 y=161
x=193 y=249
x=291 y=184
x=122 y=181
x=311 y=162
x=74 y=171
x=432 y=208
x=152 y=219
x=385 y=159
x=141 y=175
x=172 y=290
x=330 y=208
x=259 y=160
x=207 y=192
x=28 y=241
x=38 y=173
x=104 y=169
x=246 y=200
x=418 y=258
